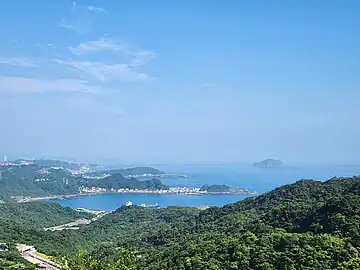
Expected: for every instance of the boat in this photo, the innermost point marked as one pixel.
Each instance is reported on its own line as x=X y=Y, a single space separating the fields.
x=153 y=206
x=193 y=193
x=150 y=205
x=129 y=203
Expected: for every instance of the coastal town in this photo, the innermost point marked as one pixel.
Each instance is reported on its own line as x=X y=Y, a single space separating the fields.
x=170 y=190
x=63 y=180
x=86 y=191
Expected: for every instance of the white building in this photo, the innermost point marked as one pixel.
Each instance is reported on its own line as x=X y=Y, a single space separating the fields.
x=5 y=159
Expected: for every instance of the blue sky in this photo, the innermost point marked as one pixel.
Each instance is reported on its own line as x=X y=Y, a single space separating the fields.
x=181 y=81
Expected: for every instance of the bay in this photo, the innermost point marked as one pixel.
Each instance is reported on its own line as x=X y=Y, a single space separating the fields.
x=240 y=176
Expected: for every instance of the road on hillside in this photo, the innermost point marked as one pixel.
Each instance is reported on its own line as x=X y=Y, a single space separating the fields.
x=29 y=253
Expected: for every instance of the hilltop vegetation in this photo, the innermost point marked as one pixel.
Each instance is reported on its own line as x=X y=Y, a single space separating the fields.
x=136 y=171
x=11 y=259
x=29 y=181
x=118 y=181
x=215 y=188
x=38 y=214
x=306 y=225
x=24 y=223
x=141 y=171
x=37 y=180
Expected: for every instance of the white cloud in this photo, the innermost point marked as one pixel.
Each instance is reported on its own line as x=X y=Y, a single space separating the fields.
x=46 y=46
x=75 y=6
x=19 y=61
x=96 y=9
x=96 y=46
x=105 y=72
x=136 y=57
x=80 y=21
x=28 y=85
x=126 y=71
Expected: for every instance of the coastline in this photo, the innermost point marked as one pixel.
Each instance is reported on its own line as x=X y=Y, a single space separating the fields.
x=140 y=192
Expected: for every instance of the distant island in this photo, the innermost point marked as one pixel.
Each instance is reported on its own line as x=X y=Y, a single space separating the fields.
x=268 y=163
x=215 y=188
x=222 y=189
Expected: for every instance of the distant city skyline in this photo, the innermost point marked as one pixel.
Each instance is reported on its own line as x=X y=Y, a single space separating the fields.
x=181 y=82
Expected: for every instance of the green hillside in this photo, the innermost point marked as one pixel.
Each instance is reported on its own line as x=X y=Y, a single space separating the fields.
x=140 y=171
x=136 y=171
x=38 y=214
x=119 y=181
x=30 y=181
x=306 y=225
x=35 y=180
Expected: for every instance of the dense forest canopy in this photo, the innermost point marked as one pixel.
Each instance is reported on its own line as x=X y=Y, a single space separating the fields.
x=215 y=188
x=306 y=225
x=140 y=171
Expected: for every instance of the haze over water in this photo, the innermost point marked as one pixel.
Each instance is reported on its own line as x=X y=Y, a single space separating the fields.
x=245 y=177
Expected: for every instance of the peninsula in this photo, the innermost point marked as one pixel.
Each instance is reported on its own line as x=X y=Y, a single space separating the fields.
x=40 y=180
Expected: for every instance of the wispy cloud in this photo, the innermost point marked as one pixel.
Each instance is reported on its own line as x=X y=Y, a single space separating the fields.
x=79 y=27
x=135 y=57
x=96 y=9
x=22 y=85
x=97 y=46
x=76 y=6
x=141 y=58
x=127 y=71
x=19 y=61
x=80 y=19
x=104 y=72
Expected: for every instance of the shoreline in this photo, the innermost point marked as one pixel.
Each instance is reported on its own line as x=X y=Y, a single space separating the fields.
x=68 y=196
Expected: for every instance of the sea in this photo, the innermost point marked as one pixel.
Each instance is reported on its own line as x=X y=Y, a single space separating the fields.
x=237 y=176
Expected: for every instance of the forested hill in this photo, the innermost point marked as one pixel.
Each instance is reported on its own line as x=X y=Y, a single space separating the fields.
x=306 y=225
x=37 y=215
x=119 y=181
x=36 y=180
x=136 y=171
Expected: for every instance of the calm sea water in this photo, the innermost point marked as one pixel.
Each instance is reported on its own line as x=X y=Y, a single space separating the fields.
x=248 y=177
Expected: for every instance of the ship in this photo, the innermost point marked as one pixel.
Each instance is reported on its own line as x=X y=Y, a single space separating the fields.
x=129 y=203
x=150 y=205
x=193 y=193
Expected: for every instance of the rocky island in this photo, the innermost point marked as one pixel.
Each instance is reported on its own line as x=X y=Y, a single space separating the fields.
x=268 y=163
x=222 y=189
